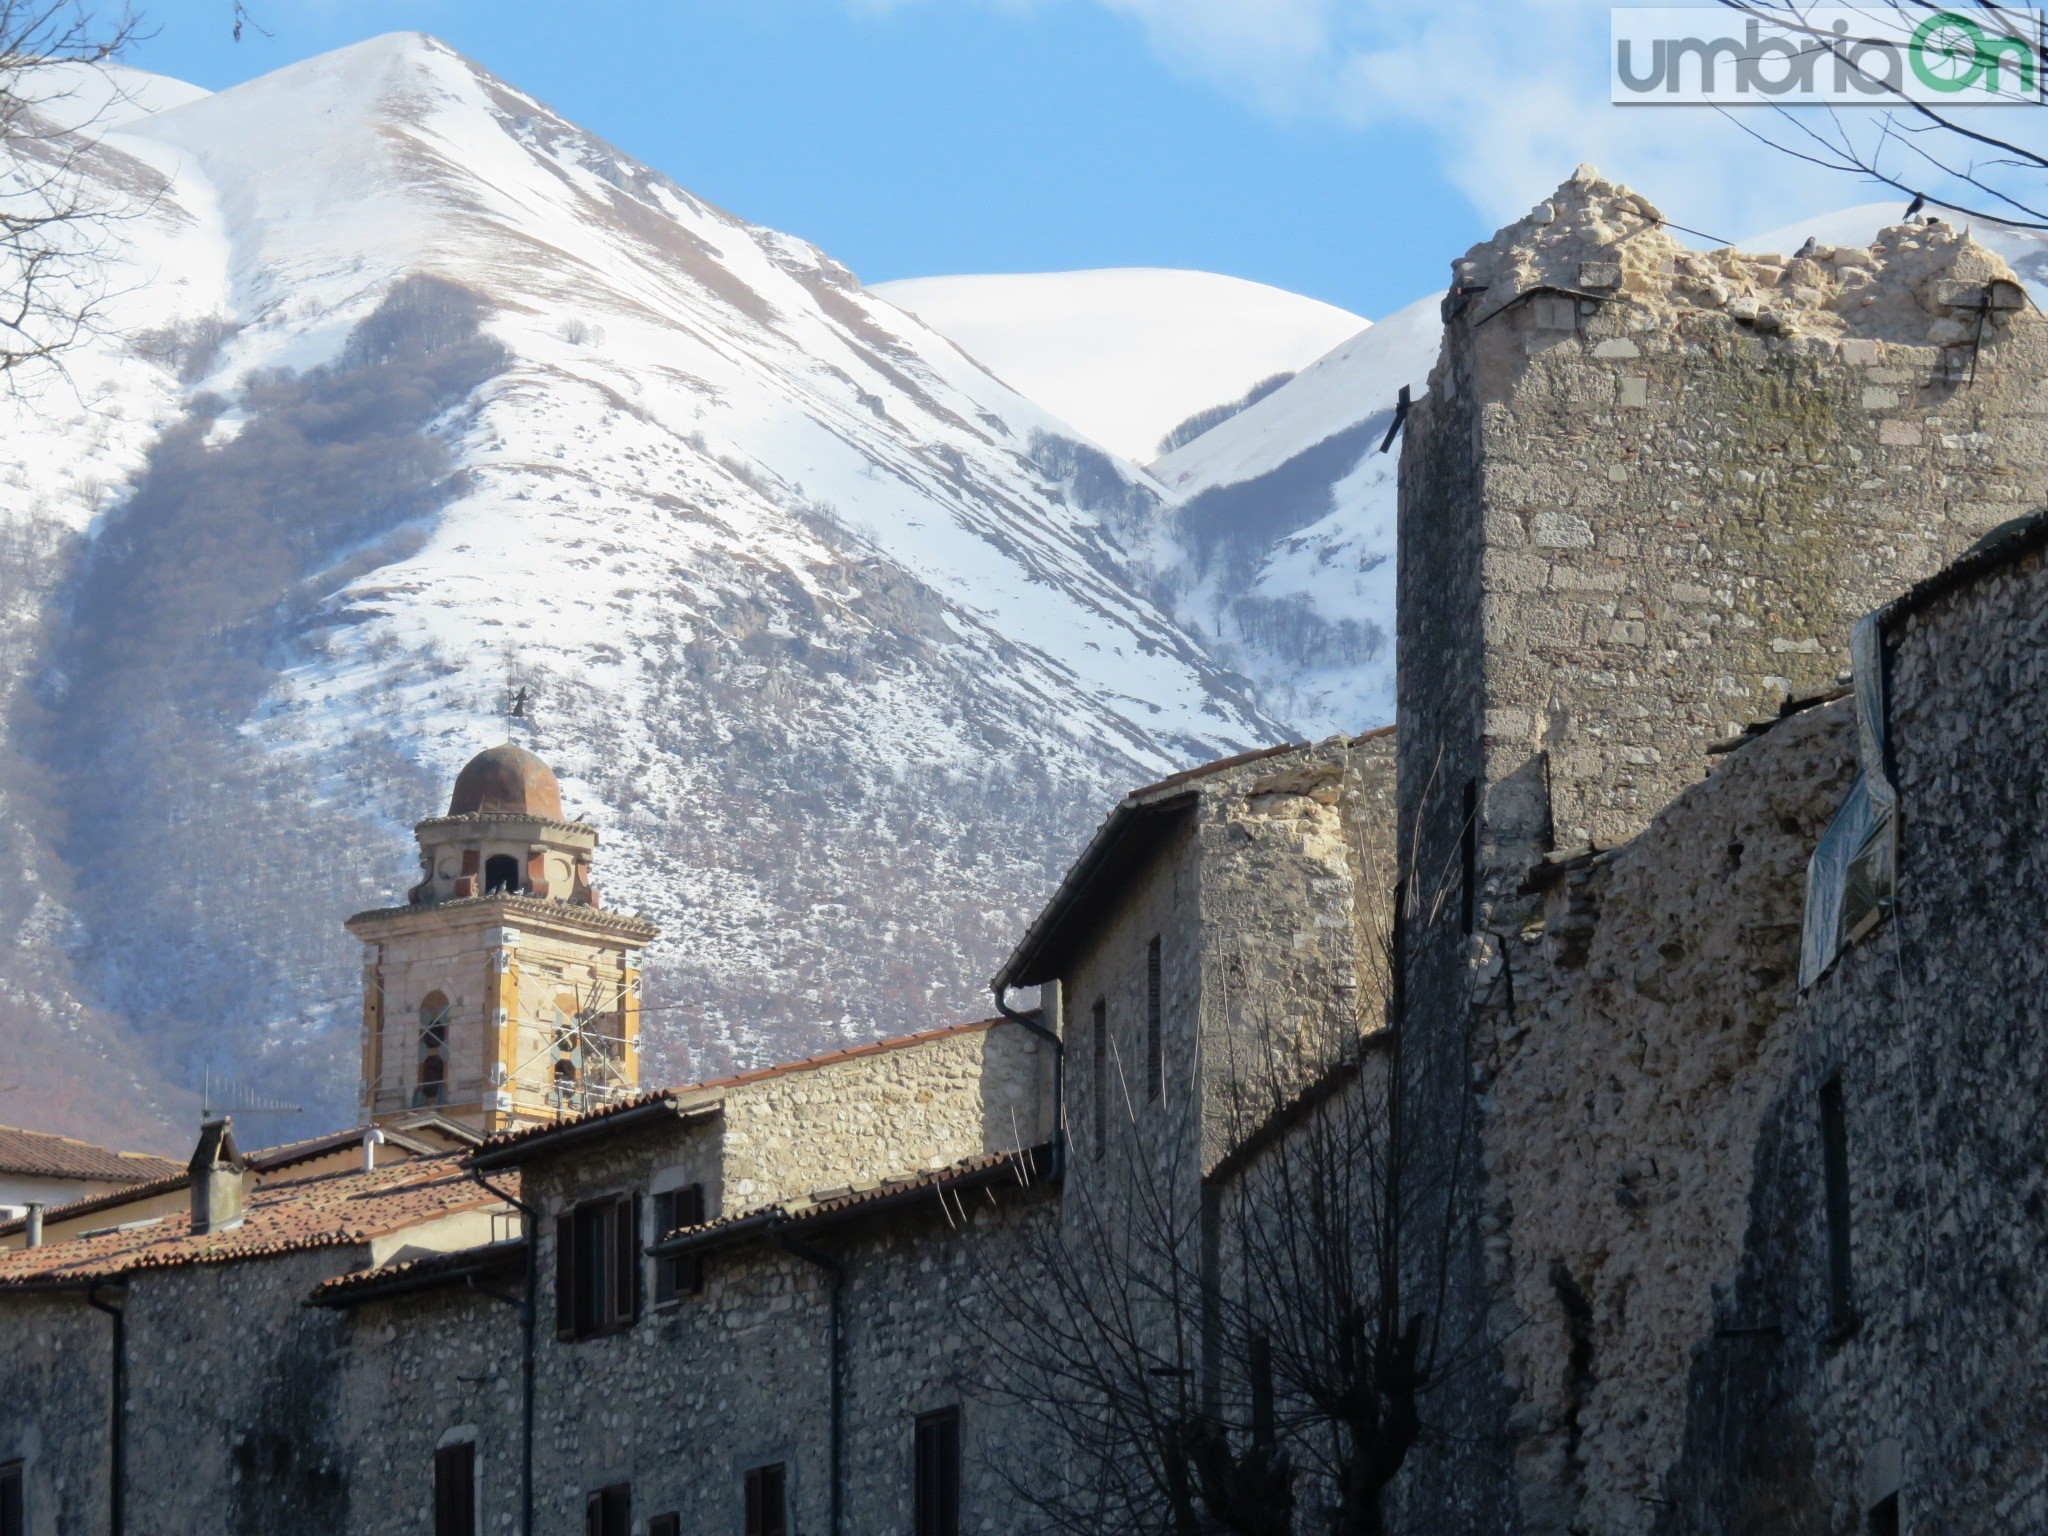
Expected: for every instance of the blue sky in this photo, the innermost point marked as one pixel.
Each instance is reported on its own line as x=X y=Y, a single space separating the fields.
x=1287 y=141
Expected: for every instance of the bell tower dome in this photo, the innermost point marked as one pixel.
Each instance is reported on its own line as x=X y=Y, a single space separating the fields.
x=502 y=993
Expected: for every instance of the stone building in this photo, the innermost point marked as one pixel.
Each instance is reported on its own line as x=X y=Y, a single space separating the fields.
x=1687 y=909
x=38 y=1169
x=1649 y=497
x=502 y=993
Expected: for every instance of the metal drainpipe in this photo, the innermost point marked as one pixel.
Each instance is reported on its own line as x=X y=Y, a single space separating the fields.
x=118 y=1416
x=837 y=1271
x=527 y=1311
x=1059 y=1067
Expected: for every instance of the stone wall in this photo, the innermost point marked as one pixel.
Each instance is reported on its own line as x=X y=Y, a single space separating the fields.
x=1929 y=1384
x=682 y=1404
x=1645 y=497
x=867 y=1115
x=54 y=1409
x=1652 y=1029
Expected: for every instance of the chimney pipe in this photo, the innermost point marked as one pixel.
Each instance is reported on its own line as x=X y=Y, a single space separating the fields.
x=35 y=1224
x=216 y=1175
x=373 y=1138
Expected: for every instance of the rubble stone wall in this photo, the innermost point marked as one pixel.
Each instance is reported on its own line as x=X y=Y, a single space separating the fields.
x=54 y=1409
x=1645 y=498
x=1931 y=1025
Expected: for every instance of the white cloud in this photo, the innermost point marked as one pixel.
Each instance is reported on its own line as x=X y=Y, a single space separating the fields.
x=1513 y=93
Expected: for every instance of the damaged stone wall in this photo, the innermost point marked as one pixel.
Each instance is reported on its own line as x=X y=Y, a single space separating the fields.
x=1926 y=1383
x=1646 y=496
x=1652 y=1029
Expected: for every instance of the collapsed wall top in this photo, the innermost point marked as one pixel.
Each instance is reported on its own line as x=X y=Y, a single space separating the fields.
x=1921 y=283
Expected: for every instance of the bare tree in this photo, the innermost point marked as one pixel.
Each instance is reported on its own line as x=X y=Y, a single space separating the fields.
x=1968 y=160
x=53 y=210
x=1247 y=1349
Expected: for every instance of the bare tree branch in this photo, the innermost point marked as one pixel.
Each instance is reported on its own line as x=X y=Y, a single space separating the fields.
x=54 y=102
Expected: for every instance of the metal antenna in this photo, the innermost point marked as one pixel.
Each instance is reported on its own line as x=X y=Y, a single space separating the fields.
x=236 y=1097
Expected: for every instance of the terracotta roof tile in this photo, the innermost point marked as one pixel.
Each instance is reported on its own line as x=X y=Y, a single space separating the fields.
x=61 y=1157
x=1026 y=1167
x=420 y=1273
x=283 y=1216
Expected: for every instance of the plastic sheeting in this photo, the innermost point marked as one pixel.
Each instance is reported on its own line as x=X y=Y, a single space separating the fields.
x=1852 y=874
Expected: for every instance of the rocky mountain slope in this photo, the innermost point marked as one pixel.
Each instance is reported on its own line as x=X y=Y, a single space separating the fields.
x=415 y=398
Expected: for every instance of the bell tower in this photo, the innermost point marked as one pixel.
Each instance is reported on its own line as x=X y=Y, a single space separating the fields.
x=501 y=994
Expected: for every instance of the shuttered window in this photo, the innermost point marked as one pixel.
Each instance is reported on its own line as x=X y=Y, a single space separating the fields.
x=674 y=1209
x=767 y=1501
x=597 y=1268
x=13 y=1503
x=665 y=1525
x=938 y=1473
x=1099 y=1077
x=455 y=1490
x=609 y=1511
x=1155 y=1045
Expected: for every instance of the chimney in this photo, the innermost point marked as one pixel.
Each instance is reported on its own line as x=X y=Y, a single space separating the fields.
x=216 y=1170
x=373 y=1138
x=35 y=1224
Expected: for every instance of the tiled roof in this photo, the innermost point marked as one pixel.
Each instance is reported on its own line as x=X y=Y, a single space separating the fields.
x=678 y=1097
x=1024 y=1168
x=419 y=1274
x=283 y=1216
x=265 y=1160
x=60 y=1157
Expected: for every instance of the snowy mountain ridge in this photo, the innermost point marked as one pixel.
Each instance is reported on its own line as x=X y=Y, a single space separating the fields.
x=832 y=633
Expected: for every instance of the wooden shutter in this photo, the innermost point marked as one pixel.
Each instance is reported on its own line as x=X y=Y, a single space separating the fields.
x=689 y=1271
x=455 y=1490
x=13 y=1506
x=625 y=1277
x=565 y=1275
x=1155 y=1047
x=938 y=1474
x=665 y=1222
x=767 y=1505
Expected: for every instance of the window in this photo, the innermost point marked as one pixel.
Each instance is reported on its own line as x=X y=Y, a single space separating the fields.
x=1468 y=859
x=1099 y=1084
x=597 y=1268
x=13 y=1503
x=609 y=1511
x=665 y=1525
x=455 y=1489
x=1834 y=1147
x=938 y=1473
x=433 y=1065
x=679 y=1277
x=501 y=873
x=767 y=1501
x=1884 y=1516
x=1155 y=1049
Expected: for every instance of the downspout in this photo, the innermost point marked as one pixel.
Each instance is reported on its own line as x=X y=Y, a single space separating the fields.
x=118 y=1415
x=527 y=1310
x=1059 y=1061
x=836 y=1271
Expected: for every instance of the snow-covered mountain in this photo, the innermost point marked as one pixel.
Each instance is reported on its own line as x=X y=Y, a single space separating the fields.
x=412 y=395
x=1126 y=354
x=1282 y=549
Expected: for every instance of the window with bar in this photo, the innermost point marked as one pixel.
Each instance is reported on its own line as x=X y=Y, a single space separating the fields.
x=938 y=1473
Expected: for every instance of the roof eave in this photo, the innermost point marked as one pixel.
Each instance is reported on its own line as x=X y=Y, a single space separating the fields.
x=551 y=1142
